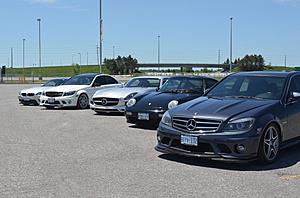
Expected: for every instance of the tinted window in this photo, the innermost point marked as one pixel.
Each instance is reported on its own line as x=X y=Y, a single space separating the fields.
x=164 y=80
x=265 y=87
x=110 y=80
x=210 y=83
x=183 y=84
x=143 y=82
x=100 y=80
x=53 y=83
x=80 y=80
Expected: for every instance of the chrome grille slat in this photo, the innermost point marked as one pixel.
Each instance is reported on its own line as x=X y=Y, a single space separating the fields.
x=202 y=125
x=109 y=101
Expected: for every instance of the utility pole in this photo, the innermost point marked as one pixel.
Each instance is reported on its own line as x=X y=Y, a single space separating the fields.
x=114 y=47
x=98 y=55
x=79 y=62
x=219 y=57
x=24 y=60
x=158 y=52
x=231 y=18
x=285 y=61
x=101 y=35
x=11 y=58
x=40 y=49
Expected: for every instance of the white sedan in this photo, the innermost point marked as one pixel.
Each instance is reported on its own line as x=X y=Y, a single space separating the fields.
x=77 y=91
x=32 y=96
x=113 y=100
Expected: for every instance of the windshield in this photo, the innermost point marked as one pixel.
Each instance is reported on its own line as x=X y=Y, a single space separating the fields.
x=183 y=85
x=53 y=83
x=143 y=82
x=79 y=80
x=260 y=87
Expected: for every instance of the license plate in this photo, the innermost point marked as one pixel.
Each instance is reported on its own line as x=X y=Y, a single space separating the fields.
x=51 y=100
x=143 y=116
x=26 y=99
x=189 y=140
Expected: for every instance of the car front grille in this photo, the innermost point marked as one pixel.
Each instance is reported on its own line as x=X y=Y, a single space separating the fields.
x=30 y=94
x=54 y=94
x=24 y=94
x=196 y=125
x=106 y=101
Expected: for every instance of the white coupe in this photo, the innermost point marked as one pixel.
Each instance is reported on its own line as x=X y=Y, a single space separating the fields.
x=32 y=96
x=77 y=91
x=114 y=100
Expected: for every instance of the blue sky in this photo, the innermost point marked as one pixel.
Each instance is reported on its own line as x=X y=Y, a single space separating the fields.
x=192 y=31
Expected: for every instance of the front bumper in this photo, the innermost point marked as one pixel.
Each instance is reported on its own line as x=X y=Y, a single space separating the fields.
x=213 y=146
x=60 y=102
x=154 y=117
x=29 y=100
x=119 y=108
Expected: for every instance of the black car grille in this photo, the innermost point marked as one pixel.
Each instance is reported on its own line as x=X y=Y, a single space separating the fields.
x=54 y=94
x=30 y=94
x=106 y=101
x=196 y=125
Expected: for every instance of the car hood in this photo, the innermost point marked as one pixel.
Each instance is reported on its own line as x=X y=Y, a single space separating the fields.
x=35 y=90
x=66 y=88
x=220 y=108
x=160 y=100
x=120 y=92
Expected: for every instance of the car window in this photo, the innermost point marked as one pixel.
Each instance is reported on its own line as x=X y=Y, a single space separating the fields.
x=164 y=80
x=265 y=87
x=295 y=84
x=80 y=80
x=109 y=80
x=100 y=80
x=210 y=83
x=183 y=84
x=143 y=82
x=50 y=83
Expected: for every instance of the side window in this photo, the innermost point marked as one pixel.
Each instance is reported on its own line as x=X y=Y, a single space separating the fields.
x=295 y=84
x=210 y=83
x=100 y=80
x=109 y=80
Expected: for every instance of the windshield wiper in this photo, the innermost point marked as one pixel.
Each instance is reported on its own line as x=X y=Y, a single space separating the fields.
x=245 y=97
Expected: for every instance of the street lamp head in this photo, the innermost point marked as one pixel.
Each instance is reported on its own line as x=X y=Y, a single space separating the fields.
x=231 y=18
x=39 y=20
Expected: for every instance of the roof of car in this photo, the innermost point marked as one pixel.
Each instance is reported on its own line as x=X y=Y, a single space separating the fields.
x=266 y=73
x=160 y=77
x=190 y=76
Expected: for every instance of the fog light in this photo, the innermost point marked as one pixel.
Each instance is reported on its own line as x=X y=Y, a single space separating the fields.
x=158 y=138
x=240 y=148
x=70 y=101
x=160 y=115
x=129 y=113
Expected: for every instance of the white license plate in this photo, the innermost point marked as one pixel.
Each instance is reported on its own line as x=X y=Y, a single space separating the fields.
x=143 y=116
x=189 y=140
x=26 y=99
x=51 y=100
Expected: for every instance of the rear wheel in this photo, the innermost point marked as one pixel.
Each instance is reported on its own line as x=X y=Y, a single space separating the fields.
x=269 y=145
x=83 y=101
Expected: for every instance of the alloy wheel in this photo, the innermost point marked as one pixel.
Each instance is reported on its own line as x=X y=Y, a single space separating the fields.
x=83 y=101
x=271 y=143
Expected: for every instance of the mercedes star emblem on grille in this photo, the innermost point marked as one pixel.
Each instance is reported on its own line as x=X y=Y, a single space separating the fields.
x=104 y=101
x=191 y=125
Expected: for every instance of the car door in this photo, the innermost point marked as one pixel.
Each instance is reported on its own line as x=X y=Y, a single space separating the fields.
x=293 y=109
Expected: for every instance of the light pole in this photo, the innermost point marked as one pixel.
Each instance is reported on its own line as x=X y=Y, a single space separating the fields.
x=101 y=35
x=114 y=48
x=24 y=59
x=40 y=49
x=219 y=57
x=285 y=61
x=87 y=58
x=231 y=18
x=158 y=52
x=79 y=62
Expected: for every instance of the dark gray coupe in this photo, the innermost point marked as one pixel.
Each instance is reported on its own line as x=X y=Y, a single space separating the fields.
x=246 y=116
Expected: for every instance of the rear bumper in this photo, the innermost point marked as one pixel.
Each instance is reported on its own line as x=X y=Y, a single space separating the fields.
x=209 y=146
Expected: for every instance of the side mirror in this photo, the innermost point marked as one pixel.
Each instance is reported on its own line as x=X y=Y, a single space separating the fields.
x=206 y=90
x=293 y=97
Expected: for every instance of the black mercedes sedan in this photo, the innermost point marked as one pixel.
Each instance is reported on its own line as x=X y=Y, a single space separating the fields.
x=246 y=116
x=149 y=108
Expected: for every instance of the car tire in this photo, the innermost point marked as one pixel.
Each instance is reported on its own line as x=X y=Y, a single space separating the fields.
x=269 y=145
x=83 y=101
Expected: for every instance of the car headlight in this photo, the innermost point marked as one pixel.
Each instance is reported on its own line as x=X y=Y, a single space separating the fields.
x=39 y=93
x=131 y=102
x=173 y=104
x=70 y=93
x=243 y=124
x=166 y=119
x=130 y=96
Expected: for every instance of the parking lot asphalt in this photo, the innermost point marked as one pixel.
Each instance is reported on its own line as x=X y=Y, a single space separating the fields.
x=75 y=153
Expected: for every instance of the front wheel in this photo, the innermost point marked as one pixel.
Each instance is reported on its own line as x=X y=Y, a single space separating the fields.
x=83 y=101
x=269 y=145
